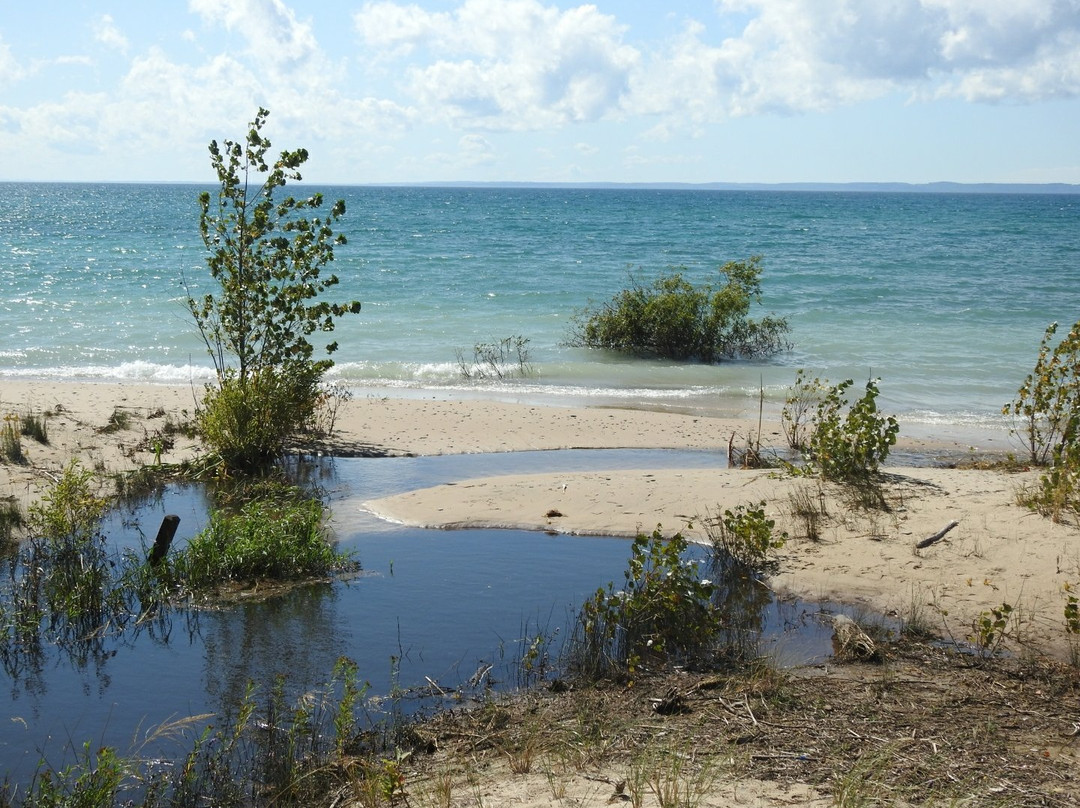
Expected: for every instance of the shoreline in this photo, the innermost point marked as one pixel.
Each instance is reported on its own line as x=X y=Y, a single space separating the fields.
x=1000 y=552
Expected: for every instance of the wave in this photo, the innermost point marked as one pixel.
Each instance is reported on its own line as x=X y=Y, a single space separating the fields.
x=134 y=371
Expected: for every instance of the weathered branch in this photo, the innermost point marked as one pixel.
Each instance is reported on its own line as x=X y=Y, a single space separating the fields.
x=936 y=537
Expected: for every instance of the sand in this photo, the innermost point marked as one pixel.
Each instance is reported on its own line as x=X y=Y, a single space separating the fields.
x=998 y=553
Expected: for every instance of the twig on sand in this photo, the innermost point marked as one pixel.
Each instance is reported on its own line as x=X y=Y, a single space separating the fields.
x=936 y=537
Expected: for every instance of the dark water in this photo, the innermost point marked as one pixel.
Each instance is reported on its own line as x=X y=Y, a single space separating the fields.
x=430 y=606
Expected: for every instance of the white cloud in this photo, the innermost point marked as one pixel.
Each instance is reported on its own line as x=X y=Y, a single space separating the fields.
x=506 y=64
x=277 y=41
x=106 y=32
x=476 y=150
x=799 y=55
x=10 y=70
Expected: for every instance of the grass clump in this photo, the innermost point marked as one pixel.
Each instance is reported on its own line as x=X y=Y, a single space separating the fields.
x=11 y=450
x=674 y=319
x=279 y=539
x=35 y=427
x=249 y=421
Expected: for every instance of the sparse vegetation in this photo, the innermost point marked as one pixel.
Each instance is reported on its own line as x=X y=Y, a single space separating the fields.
x=1046 y=414
x=673 y=319
x=505 y=359
x=11 y=450
x=663 y=611
x=797 y=416
x=35 y=426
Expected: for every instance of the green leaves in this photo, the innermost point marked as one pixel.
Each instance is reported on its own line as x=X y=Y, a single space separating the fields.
x=664 y=609
x=673 y=319
x=849 y=440
x=266 y=257
x=1046 y=415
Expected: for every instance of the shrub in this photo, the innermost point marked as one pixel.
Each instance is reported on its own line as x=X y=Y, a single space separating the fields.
x=249 y=421
x=663 y=610
x=673 y=319
x=280 y=539
x=849 y=440
x=745 y=536
x=504 y=359
x=1047 y=412
x=797 y=415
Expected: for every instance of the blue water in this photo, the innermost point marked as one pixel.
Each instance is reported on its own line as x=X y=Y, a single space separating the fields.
x=943 y=296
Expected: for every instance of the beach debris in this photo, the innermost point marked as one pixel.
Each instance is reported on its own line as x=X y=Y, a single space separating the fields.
x=553 y=513
x=851 y=642
x=671 y=703
x=937 y=536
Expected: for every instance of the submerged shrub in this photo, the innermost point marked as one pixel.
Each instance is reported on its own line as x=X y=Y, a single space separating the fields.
x=664 y=610
x=673 y=319
x=280 y=540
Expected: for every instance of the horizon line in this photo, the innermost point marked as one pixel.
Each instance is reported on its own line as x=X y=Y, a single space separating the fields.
x=939 y=186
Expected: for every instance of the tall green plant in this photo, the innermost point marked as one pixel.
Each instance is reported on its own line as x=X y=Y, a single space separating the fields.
x=1046 y=411
x=266 y=256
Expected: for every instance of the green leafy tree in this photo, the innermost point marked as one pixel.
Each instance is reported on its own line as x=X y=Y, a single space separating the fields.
x=673 y=319
x=266 y=255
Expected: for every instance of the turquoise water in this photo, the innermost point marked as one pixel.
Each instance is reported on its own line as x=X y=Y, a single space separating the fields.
x=943 y=296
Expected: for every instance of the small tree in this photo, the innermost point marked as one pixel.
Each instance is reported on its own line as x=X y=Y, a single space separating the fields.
x=266 y=256
x=673 y=319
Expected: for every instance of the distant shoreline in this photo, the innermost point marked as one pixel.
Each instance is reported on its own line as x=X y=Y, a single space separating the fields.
x=943 y=187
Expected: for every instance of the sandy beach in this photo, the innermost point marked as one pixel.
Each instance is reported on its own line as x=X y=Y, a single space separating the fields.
x=998 y=553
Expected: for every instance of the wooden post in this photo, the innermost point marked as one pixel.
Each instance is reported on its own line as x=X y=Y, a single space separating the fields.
x=164 y=539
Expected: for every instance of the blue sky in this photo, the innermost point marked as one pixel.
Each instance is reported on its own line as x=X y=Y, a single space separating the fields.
x=544 y=90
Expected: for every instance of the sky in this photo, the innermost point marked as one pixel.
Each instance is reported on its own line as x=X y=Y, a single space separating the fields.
x=634 y=91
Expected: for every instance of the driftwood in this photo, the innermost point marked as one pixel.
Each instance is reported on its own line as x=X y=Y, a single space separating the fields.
x=936 y=537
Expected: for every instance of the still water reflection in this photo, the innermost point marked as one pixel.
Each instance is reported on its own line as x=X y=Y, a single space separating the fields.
x=429 y=607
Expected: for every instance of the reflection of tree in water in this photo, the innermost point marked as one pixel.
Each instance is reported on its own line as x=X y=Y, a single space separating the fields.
x=742 y=599
x=36 y=637
x=297 y=635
